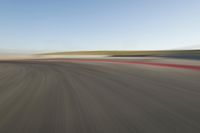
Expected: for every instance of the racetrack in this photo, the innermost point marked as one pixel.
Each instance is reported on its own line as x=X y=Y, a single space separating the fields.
x=80 y=97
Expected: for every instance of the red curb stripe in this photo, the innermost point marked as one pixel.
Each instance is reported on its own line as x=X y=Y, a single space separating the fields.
x=142 y=63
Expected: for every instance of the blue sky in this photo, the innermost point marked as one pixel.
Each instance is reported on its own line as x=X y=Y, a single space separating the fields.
x=64 y=25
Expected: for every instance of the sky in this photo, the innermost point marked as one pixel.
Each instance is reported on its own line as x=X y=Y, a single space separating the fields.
x=65 y=25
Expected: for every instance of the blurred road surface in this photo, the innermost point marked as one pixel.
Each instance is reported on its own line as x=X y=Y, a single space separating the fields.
x=63 y=97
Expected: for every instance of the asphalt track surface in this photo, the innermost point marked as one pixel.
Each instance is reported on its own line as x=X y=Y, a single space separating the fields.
x=80 y=97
